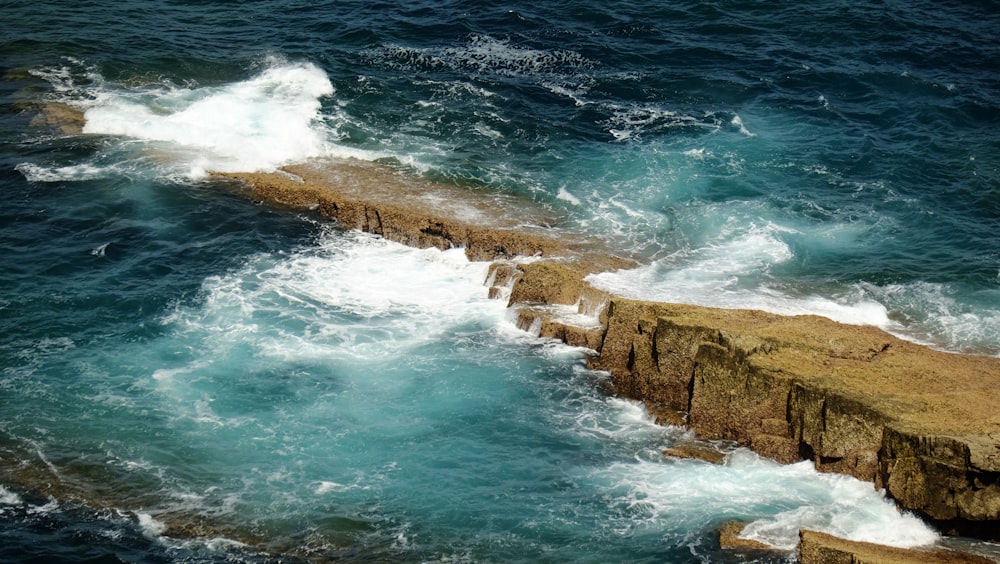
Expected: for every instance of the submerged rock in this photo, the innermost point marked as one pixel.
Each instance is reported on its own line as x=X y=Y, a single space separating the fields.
x=696 y=452
x=63 y=117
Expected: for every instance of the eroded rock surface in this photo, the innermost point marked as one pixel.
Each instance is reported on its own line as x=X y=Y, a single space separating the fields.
x=920 y=423
x=386 y=201
x=821 y=548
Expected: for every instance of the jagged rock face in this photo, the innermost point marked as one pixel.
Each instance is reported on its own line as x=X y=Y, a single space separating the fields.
x=940 y=475
x=855 y=400
x=548 y=283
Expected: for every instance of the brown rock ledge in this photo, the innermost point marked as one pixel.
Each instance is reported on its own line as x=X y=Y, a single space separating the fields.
x=381 y=199
x=729 y=539
x=918 y=422
x=821 y=548
x=921 y=423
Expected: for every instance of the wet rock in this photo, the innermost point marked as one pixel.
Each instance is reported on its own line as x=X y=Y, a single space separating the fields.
x=62 y=117
x=918 y=422
x=697 y=452
x=821 y=548
x=729 y=539
x=664 y=415
x=387 y=201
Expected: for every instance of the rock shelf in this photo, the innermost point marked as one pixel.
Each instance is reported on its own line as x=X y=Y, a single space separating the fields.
x=921 y=423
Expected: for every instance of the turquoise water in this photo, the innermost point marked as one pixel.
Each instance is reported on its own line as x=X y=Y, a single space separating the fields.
x=178 y=357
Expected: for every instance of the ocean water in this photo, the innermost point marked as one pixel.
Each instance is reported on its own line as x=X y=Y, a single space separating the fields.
x=187 y=375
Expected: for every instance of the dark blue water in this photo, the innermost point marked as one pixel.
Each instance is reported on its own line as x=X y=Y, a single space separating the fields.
x=189 y=376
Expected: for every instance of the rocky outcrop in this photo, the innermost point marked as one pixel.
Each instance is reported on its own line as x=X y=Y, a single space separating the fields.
x=821 y=548
x=730 y=539
x=64 y=118
x=920 y=423
x=386 y=201
x=855 y=400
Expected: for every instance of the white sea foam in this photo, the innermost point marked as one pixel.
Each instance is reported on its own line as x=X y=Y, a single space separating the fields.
x=154 y=530
x=576 y=96
x=631 y=122
x=220 y=544
x=8 y=497
x=562 y=72
x=617 y=419
x=83 y=171
x=325 y=487
x=167 y=374
x=854 y=511
x=460 y=89
x=566 y=196
x=737 y=121
x=935 y=316
x=259 y=123
x=356 y=295
x=843 y=506
x=658 y=493
x=100 y=250
x=151 y=528
x=49 y=507
x=731 y=273
x=778 y=500
x=73 y=80
x=695 y=285
x=487 y=131
x=486 y=55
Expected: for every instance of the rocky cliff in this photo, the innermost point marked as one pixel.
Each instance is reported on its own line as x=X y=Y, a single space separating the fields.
x=923 y=424
x=855 y=400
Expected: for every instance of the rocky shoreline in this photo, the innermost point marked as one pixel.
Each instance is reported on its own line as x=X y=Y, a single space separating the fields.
x=918 y=422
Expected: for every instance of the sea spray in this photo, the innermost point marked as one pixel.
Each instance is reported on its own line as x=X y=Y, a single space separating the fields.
x=260 y=123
